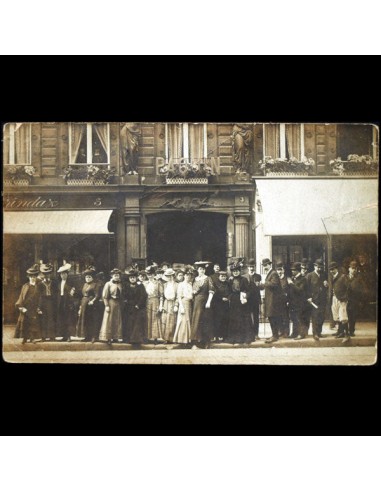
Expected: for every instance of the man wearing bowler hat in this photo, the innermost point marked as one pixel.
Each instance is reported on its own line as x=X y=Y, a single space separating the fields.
x=317 y=286
x=339 y=300
x=297 y=301
x=254 y=298
x=273 y=299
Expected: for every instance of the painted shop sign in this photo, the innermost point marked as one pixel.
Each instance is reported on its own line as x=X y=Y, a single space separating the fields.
x=39 y=202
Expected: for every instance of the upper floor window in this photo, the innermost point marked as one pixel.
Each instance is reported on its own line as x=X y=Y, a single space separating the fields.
x=284 y=140
x=89 y=143
x=186 y=140
x=17 y=143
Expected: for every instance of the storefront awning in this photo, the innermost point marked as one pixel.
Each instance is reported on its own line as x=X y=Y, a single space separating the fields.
x=315 y=207
x=57 y=222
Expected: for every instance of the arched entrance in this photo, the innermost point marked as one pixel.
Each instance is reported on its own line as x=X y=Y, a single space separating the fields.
x=181 y=237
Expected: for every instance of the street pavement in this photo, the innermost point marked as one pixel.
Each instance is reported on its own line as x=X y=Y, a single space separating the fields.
x=361 y=349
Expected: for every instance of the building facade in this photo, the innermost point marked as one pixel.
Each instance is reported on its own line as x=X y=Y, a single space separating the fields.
x=113 y=194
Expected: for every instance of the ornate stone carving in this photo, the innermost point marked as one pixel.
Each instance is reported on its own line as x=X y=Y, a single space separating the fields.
x=129 y=145
x=187 y=203
x=242 y=148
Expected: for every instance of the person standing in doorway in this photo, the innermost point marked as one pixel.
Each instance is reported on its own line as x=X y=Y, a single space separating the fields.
x=240 y=324
x=135 y=298
x=317 y=289
x=297 y=300
x=285 y=329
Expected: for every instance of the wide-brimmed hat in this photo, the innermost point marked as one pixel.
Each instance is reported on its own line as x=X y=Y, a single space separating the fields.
x=222 y=272
x=64 y=268
x=236 y=265
x=132 y=273
x=266 y=261
x=169 y=272
x=296 y=266
x=251 y=262
x=319 y=262
x=189 y=270
x=34 y=269
x=333 y=265
x=180 y=270
x=279 y=265
x=202 y=264
x=89 y=271
x=150 y=270
x=46 y=268
x=114 y=271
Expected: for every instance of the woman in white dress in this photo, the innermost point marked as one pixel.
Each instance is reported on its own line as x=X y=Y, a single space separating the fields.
x=185 y=300
x=170 y=306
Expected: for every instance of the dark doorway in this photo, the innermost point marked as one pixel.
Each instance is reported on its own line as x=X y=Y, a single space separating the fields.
x=181 y=237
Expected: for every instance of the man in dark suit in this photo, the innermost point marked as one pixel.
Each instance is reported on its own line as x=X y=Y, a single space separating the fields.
x=356 y=295
x=66 y=307
x=254 y=297
x=273 y=299
x=285 y=329
x=297 y=300
x=317 y=286
x=306 y=312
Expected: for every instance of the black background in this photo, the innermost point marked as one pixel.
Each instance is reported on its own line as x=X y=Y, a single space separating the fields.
x=185 y=400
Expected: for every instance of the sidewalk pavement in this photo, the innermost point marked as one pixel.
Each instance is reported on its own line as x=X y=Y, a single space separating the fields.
x=366 y=336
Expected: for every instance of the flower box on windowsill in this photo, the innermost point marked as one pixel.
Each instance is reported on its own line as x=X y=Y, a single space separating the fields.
x=290 y=174
x=185 y=181
x=17 y=182
x=84 y=182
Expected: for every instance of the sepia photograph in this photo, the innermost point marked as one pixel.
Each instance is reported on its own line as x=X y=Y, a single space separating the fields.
x=190 y=243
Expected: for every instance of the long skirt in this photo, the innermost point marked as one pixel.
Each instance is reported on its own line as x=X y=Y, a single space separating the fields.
x=221 y=318
x=136 y=325
x=201 y=318
x=112 y=321
x=28 y=327
x=48 y=322
x=154 y=329
x=184 y=323
x=168 y=320
x=86 y=327
x=240 y=324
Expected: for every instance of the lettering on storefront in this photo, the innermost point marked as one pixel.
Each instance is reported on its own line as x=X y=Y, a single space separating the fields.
x=39 y=202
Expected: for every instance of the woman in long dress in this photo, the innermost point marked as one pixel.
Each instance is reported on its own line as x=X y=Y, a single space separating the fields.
x=201 y=316
x=154 y=289
x=170 y=305
x=48 y=301
x=112 y=324
x=240 y=317
x=28 y=324
x=87 y=327
x=135 y=309
x=184 y=319
x=220 y=306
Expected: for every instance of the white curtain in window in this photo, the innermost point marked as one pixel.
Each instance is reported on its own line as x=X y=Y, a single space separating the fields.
x=6 y=159
x=293 y=136
x=196 y=141
x=102 y=132
x=22 y=143
x=175 y=140
x=77 y=132
x=272 y=140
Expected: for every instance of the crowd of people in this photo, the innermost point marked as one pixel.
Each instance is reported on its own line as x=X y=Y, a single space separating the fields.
x=186 y=306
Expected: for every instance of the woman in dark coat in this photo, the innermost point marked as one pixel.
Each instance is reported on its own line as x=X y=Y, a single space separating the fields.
x=48 y=297
x=135 y=309
x=86 y=326
x=239 y=315
x=66 y=305
x=28 y=325
x=220 y=305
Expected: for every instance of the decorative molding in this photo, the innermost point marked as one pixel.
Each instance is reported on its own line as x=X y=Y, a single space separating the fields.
x=188 y=203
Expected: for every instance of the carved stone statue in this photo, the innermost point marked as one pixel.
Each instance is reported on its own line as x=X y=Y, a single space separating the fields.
x=129 y=141
x=242 y=148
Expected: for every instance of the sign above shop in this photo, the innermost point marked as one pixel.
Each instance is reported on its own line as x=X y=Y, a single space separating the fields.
x=39 y=202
